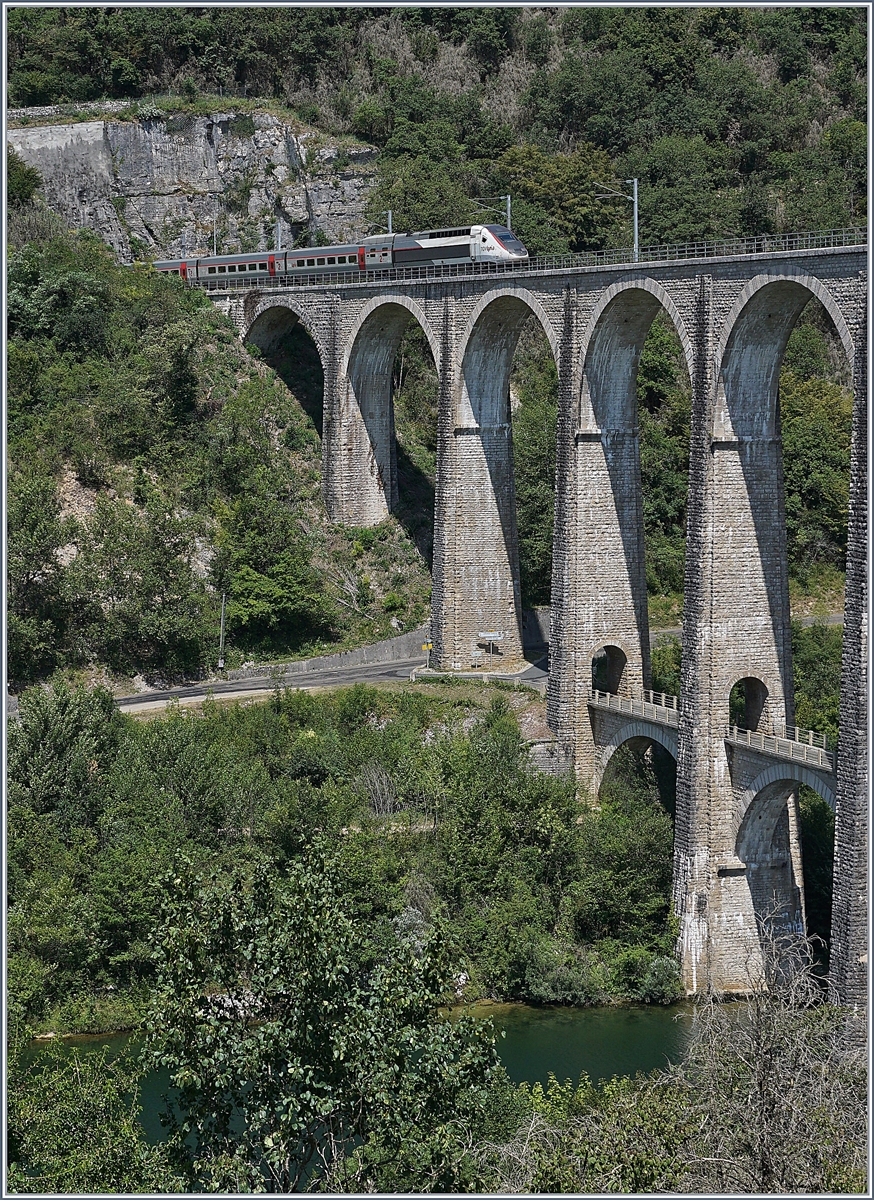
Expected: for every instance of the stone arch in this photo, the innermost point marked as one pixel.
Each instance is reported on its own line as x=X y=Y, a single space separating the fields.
x=765 y=841
x=756 y=693
x=485 y=354
x=785 y=775
x=818 y=291
x=477 y=584
x=610 y=352
x=750 y=349
x=640 y=732
x=269 y=319
x=398 y=299
x=614 y=667
x=365 y=411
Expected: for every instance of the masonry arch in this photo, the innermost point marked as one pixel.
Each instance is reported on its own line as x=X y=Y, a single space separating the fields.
x=485 y=354
x=746 y=464
x=611 y=349
x=654 y=744
x=785 y=776
x=366 y=401
x=748 y=703
x=609 y=669
x=751 y=346
x=390 y=302
x=476 y=560
x=766 y=852
x=606 y=563
x=293 y=348
x=272 y=319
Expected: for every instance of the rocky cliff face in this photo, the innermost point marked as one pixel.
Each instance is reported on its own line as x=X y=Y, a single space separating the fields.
x=163 y=187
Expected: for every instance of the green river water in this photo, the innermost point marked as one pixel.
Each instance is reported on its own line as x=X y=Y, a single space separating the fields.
x=566 y=1042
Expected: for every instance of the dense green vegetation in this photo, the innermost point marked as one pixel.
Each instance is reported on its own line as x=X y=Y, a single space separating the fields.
x=430 y=825
x=154 y=464
x=734 y=120
x=364 y=854
x=385 y=1096
x=427 y=798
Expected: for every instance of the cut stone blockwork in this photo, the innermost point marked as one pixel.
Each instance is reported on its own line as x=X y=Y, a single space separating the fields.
x=849 y=945
x=737 y=857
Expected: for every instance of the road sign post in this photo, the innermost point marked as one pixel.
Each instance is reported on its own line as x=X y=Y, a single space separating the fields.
x=491 y=636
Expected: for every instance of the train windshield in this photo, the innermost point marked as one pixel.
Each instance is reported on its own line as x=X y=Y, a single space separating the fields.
x=507 y=238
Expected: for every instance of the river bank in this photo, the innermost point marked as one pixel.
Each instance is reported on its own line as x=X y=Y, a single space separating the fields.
x=532 y=1043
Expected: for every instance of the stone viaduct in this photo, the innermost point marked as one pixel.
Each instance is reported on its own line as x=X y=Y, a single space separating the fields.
x=737 y=854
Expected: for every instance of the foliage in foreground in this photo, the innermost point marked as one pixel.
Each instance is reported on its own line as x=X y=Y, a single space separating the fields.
x=304 y=1052
x=770 y=1097
x=73 y=1124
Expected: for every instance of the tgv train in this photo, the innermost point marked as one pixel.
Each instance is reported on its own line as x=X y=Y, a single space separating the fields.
x=431 y=248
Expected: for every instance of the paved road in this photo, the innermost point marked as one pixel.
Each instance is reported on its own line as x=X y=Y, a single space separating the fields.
x=333 y=676
x=258 y=685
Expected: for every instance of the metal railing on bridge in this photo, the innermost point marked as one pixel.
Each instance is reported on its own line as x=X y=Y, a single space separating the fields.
x=799 y=745
x=654 y=706
x=772 y=243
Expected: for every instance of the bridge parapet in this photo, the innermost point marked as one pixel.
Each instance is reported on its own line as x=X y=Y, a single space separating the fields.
x=653 y=706
x=798 y=745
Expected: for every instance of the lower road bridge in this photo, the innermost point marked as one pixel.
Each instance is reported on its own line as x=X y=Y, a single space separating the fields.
x=755 y=862
x=640 y=720
x=733 y=306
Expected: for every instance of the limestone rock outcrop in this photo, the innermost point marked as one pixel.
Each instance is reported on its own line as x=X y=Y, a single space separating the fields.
x=160 y=185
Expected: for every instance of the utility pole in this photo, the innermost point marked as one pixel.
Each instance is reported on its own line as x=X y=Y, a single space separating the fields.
x=221 y=658
x=387 y=213
x=214 y=223
x=278 y=232
x=486 y=206
x=622 y=196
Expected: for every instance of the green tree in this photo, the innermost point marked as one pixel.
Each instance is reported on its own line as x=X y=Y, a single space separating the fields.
x=36 y=580
x=147 y=605
x=73 y=1125
x=534 y=431
x=264 y=562
x=421 y=192
x=295 y=1061
x=59 y=751
x=22 y=180
x=559 y=196
x=815 y=416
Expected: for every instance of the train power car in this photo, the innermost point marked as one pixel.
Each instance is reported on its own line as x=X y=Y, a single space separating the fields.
x=429 y=248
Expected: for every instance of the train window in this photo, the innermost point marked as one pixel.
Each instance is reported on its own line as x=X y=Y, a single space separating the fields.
x=253 y=266
x=221 y=270
x=231 y=267
x=332 y=262
x=320 y=262
x=262 y=266
x=311 y=262
x=210 y=270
